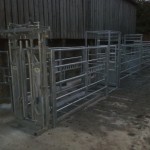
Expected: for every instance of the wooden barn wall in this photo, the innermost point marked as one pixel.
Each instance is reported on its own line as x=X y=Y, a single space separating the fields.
x=128 y=19
x=69 y=19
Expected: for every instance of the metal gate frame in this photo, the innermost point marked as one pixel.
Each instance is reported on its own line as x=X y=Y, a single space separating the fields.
x=30 y=95
x=135 y=55
x=109 y=38
x=90 y=83
x=48 y=85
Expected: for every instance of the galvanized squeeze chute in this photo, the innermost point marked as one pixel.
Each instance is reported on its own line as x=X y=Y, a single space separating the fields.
x=27 y=54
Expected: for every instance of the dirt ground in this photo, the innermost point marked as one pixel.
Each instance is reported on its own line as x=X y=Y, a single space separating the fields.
x=122 y=122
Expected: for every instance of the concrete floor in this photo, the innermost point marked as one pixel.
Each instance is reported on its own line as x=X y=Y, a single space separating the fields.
x=122 y=122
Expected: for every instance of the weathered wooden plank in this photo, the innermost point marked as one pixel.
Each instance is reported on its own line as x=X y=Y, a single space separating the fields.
x=76 y=18
x=58 y=20
x=97 y=15
x=14 y=11
x=20 y=12
x=69 y=18
x=36 y=11
x=45 y=10
x=79 y=22
x=50 y=17
x=2 y=14
x=31 y=10
x=65 y=22
x=101 y=14
x=41 y=12
x=80 y=19
x=82 y=29
x=92 y=16
x=62 y=18
x=54 y=19
x=8 y=12
x=26 y=10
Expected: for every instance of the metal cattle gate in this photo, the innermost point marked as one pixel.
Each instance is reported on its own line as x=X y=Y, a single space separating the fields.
x=49 y=84
x=145 y=54
x=77 y=80
x=135 y=55
x=108 y=38
x=130 y=59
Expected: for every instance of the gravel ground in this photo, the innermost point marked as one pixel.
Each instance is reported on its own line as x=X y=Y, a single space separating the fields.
x=122 y=122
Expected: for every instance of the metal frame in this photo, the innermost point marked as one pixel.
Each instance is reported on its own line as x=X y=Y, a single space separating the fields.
x=48 y=85
x=146 y=54
x=133 y=38
x=132 y=56
x=130 y=59
x=109 y=38
x=30 y=93
x=85 y=78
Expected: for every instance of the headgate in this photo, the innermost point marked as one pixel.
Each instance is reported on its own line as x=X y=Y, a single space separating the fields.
x=29 y=74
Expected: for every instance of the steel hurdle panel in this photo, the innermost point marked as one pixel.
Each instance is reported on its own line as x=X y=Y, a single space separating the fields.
x=133 y=38
x=85 y=78
x=113 y=40
x=131 y=55
x=130 y=59
x=146 y=54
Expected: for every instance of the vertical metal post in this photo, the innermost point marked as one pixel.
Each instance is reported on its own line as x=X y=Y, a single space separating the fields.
x=14 y=64
x=107 y=55
x=53 y=87
x=21 y=99
x=86 y=39
x=141 y=51
x=10 y=70
x=86 y=67
x=118 y=60
x=30 y=62
x=31 y=79
x=60 y=63
x=43 y=80
x=97 y=56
